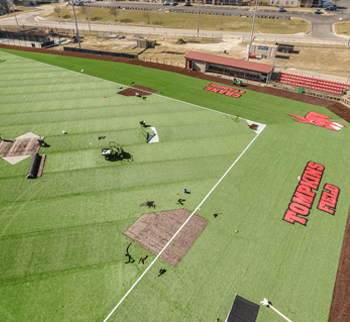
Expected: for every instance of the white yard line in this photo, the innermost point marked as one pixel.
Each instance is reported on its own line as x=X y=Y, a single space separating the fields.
x=205 y=198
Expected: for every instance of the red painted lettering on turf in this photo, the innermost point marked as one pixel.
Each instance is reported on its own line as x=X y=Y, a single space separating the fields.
x=292 y=217
x=228 y=91
x=306 y=190
x=315 y=166
x=303 y=197
x=329 y=199
x=299 y=209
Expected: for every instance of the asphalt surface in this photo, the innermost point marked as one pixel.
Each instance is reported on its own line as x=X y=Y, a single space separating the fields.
x=321 y=30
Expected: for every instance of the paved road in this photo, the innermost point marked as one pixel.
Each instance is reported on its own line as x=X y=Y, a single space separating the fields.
x=321 y=31
x=321 y=23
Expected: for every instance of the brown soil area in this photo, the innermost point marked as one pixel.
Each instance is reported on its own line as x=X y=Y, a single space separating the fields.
x=340 y=308
x=154 y=230
x=132 y=91
x=16 y=147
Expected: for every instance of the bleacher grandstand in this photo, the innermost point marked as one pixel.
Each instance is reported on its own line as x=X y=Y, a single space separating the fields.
x=314 y=83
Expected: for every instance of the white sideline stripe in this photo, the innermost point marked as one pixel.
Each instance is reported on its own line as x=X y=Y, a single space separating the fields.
x=205 y=198
x=263 y=127
x=106 y=80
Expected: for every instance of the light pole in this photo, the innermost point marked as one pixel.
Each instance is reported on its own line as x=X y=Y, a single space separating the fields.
x=87 y=15
x=346 y=86
x=198 y=20
x=273 y=65
x=14 y=11
x=10 y=4
x=251 y=35
x=76 y=25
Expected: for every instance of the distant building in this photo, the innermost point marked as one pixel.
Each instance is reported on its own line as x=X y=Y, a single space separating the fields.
x=207 y=63
x=284 y=3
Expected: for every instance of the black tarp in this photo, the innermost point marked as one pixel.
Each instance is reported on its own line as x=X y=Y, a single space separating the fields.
x=99 y=52
x=243 y=311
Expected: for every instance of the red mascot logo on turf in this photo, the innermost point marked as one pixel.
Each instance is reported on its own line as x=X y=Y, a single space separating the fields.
x=319 y=120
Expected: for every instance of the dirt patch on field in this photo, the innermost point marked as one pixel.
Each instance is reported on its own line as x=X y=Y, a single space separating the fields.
x=141 y=90
x=19 y=146
x=154 y=230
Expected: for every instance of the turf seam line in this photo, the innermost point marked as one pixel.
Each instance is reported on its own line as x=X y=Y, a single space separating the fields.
x=106 y=80
x=205 y=198
x=7 y=204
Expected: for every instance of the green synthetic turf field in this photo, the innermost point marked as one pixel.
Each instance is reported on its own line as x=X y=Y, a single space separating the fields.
x=62 y=247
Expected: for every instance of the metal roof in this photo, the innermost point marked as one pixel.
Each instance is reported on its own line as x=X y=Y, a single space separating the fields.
x=230 y=62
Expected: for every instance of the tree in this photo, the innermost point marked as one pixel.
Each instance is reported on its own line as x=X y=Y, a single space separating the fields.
x=57 y=10
x=147 y=15
x=114 y=12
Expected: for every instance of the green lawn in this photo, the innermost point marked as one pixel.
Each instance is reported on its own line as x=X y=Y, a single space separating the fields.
x=184 y=20
x=61 y=236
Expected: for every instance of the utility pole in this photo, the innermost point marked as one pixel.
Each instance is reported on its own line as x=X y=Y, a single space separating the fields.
x=76 y=25
x=273 y=65
x=198 y=20
x=251 y=36
x=10 y=4
x=87 y=16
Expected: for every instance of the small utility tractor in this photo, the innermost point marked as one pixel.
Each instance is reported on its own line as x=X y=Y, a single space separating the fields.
x=115 y=151
x=237 y=82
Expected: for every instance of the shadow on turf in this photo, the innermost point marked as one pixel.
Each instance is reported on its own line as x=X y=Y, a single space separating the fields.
x=127 y=156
